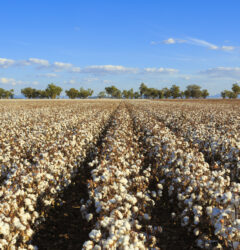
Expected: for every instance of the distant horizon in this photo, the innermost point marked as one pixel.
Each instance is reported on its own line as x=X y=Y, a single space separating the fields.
x=95 y=44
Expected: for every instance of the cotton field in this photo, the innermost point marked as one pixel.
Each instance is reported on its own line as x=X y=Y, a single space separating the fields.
x=119 y=174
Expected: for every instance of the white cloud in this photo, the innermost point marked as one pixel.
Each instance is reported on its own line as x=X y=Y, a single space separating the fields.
x=229 y=72
x=90 y=79
x=49 y=75
x=9 y=81
x=227 y=48
x=5 y=63
x=197 y=42
x=160 y=70
x=185 y=78
x=111 y=69
x=170 y=41
x=59 y=66
x=202 y=43
x=40 y=62
x=76 y=69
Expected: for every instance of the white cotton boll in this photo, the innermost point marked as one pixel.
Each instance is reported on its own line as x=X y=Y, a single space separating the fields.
x=88 y=245
x=159 y=186
x=154 y=194
x=135 y=209
x=133 y=200
x=196 y=220
x=28 y=202
x=29 y=232
x=89 y=217
x=209 y=210
x=146 y=216
x=185 y=221
x=138 y=227
x=196 y=231
x=4 y=228
x=31 y=208
x=173 y=215
x=95 y=235
x=160 y=193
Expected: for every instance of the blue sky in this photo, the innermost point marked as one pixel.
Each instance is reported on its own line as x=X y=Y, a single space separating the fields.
x=94 y=44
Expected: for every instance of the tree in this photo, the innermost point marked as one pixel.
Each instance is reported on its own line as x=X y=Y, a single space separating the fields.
x=85 y=93
x=113 y=92
x=72 y=93
x=152 y=92
x=125 y=94
x=181 y=95
x=143 y=90
x=128 y=94
x=166 y=93
x=53 y=91
x=194 y=90
x=187 y=94
x=28 y=92
x=102 y=94
x=231 y=94
x=224 y=94
x=6 y=93
x=205 y=93
x=160 y=94
x=236 y=89
x=2 y=93
x=175 y=91
x=136 y=95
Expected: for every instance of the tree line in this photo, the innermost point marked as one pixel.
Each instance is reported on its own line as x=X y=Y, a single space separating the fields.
x=192 y=91
x=6 y=94
x=231 y=94
x=53 y=91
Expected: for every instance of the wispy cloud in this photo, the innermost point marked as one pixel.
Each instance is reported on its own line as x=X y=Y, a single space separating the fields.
x=48 y=75
x=160 y=70
x=92 y=69
x=195 y=41
x=60 y=66
x=5 y=63
x=110 y=69
x=229 y=72
x=9 y=81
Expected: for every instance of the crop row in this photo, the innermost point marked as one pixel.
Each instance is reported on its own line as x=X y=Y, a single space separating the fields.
x=119 y=200
x=214 y=130
x=42 y=150
x=206 y=201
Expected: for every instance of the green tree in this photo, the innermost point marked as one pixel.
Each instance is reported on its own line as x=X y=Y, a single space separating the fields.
x=187 y=94
x=194 y=90
x=152 y=93
x=166 y=93
x=102 y=94
x=143 y=90
x=205 y=93
x=125 y=93
x=2 y=93
x=160 y=94
x=136 y=95
x=85 y=93
x=181 y=95
x=175 y=91
x=72 y=93
x=113 y=92
x=53 y=91
x=128 y=94
x=236 y=89
x=231 y=94
x=28 y=92
x=224 y=94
